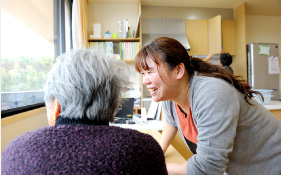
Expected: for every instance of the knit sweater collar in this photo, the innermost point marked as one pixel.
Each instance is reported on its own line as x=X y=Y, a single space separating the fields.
x=71 y=121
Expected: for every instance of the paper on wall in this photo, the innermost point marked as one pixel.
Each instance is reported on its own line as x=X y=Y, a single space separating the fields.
x=273 y=65
x=264 y=50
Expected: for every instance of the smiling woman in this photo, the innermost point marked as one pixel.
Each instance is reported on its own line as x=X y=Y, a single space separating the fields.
x=28 y=49
x=213 y=110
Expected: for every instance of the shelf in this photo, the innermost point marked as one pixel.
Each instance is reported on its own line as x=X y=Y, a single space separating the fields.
x=129 y=61
x=114 y=39
x=98 y=12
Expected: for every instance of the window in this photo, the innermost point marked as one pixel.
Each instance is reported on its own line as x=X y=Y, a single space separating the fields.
x=29 y=45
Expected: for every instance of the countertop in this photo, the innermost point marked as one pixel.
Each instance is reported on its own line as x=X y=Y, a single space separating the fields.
x=274 y=105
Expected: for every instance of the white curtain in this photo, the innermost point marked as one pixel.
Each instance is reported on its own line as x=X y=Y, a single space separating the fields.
x=79 y=24
x=68 y=27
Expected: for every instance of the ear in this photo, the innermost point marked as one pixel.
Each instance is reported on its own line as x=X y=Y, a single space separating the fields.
x=53 y=112
x=180 y=70
x=56 y=110
x=220 y=63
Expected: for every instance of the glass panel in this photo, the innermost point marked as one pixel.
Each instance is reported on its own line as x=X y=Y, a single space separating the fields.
x=27 y=50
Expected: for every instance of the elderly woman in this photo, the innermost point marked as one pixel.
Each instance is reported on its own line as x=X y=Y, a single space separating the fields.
x=83 y=93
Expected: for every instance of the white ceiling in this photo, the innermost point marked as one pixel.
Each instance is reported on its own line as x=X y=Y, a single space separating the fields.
x=253 y=7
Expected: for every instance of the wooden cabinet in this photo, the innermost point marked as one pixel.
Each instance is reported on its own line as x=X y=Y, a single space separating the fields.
x=197 y=35
x=214 y=34
x=211 y=36
x=229 y=36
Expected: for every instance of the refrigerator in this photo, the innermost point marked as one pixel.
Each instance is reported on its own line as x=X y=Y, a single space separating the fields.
x=263 y=67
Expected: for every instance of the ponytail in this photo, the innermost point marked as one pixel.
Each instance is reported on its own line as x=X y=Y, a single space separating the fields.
x=210 y=70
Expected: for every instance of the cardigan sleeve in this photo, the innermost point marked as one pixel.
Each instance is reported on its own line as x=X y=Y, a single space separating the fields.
x=168 y=112
x=215 y=109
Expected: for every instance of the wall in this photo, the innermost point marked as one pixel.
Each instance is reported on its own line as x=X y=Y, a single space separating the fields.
x=13 y=126
x=185 y=12
x=264 y=29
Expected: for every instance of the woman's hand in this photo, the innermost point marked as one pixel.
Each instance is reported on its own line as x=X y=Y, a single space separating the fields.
x=168 y=134
x=209 y=56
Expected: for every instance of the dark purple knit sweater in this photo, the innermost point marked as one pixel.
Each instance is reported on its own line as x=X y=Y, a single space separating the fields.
x=83 y=149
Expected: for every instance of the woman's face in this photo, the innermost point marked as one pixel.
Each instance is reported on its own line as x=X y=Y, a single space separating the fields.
x=160 y=88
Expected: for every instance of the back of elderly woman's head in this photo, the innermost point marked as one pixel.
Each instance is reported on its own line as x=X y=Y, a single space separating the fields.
x=87 y=85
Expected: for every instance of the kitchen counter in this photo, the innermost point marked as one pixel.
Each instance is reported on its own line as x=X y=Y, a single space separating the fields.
x=274 y=105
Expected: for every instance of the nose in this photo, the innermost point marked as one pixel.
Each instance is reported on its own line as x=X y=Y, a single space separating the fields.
x=146 y=80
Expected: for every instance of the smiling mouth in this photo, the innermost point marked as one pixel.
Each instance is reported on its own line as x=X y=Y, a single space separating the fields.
x=152 y=90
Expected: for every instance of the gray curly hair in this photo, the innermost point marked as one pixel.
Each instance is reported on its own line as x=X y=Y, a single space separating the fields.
x=87 y=84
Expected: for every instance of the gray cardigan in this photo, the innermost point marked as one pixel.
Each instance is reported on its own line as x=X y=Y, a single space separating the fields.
x=233 y=136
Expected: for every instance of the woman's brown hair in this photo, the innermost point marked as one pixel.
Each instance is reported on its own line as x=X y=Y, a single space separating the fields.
x=171 y=52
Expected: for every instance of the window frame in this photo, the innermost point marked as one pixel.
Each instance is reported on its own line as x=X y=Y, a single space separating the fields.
x=59 y=44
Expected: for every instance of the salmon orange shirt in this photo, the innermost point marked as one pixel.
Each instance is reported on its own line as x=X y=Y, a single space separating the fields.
x=187 y=125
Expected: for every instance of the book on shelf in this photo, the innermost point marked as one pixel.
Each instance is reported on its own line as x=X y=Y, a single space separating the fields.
x=104 y=48
x=128 y=50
